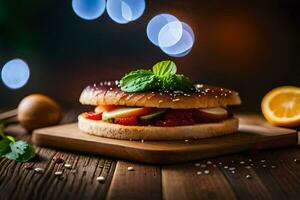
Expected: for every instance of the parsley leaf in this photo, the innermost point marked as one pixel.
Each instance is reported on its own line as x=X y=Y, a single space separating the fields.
x=139 y=80
x=21 y=151
x=164 y=68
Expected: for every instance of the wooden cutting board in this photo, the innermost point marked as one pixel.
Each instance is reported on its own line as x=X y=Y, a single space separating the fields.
x=249 y=137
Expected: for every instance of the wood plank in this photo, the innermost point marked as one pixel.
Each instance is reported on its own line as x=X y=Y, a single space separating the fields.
x=244 y=188
x=166 y=152
x=143 y=183
x=183 y=182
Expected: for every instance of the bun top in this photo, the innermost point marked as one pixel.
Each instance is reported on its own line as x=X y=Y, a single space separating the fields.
x=109 y=93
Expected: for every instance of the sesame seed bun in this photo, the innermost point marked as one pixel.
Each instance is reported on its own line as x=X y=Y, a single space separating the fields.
x=109 y=93
x=116 y=131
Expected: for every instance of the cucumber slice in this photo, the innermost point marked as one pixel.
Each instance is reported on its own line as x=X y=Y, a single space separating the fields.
x=152 y=115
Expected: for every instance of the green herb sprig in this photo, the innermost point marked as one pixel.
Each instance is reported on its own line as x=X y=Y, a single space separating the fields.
x=11 y=149
x=162 y=77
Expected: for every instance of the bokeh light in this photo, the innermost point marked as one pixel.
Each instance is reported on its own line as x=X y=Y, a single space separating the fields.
x=172 y=36
x=124 y=11
x=15 y=73
x=184 y=45
x=164 y=29
x=88 y=9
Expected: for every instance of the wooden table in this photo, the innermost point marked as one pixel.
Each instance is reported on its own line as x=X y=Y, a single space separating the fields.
x=273 y=175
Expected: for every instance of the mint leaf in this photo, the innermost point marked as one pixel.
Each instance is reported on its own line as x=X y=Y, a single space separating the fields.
x=4 y=146
x=139 y=80
x=164 y=68
x=21 y=151
x=177 y=82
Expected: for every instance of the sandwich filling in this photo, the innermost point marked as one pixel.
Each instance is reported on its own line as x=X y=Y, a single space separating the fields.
x=162 y=117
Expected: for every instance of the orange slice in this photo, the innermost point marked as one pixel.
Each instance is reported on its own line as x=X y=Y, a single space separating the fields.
x=281 y=106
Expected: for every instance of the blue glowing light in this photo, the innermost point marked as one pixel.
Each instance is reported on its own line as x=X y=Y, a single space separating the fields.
x=124 y=11
x=15 y=73
x=164 y=30
x=88 y=9
x=184 y=45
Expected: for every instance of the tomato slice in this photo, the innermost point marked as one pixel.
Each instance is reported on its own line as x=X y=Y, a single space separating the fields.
x=127 y=121
x=93 y=116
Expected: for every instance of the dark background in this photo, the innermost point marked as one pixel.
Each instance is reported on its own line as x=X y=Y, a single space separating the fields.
x=250 y=46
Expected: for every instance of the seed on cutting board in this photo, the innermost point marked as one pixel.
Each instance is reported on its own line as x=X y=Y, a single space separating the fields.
x=100 y=178
x=273 y=166
x=58 y=159
x=39 y=170
x=28 y=166
x=206 y=171
x=296 y=160
x=248 y=176
x=199 y=172
x=248 y=167
x=197 y=164
x=242 y=162
x=203 y=165
x=220 y=163
x=263 y=160
x=231 y=168
x=225 y=167
x=130 y=169
x=252 y=164
x=209 y=162
x=67 y=165
x=264 y=166
x=58 y=173
x=233 y=172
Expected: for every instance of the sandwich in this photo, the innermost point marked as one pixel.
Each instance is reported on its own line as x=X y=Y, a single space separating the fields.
x=157 y=104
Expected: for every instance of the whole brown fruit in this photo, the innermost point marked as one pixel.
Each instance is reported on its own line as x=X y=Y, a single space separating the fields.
x=37 y=111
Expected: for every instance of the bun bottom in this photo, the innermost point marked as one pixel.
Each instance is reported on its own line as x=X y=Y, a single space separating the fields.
x=116 y=131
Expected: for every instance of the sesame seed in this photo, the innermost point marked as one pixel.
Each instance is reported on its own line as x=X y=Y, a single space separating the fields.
x=264 y=166
x=186 y=140
x=100 y=179
x=67 y=165
x=250 y=160
x=248 y=176
x=58 y=173
x=248 y=167
x=142 y=141
x=174 y=100
x=233 y=172
x=220 y=163
x=242 y=162
x=206 y=171
x=130 y=168
x=273 y=166
x=263 y=160
x=199 y=172
x=197 y=164
x=203 y=165
x=39 y=170
x=209 y=162
x=225 y=167
x=296 y=160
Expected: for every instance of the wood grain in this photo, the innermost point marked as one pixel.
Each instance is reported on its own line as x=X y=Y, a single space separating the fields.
x=143 y=183
x=165 y=152
x=182 y=182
